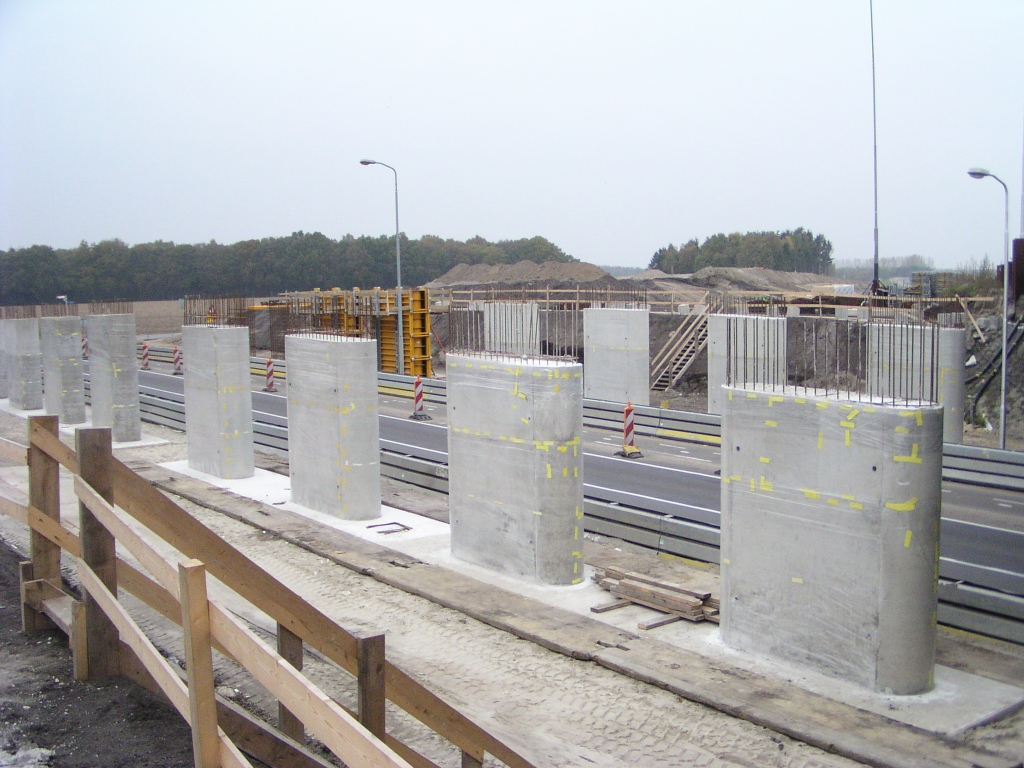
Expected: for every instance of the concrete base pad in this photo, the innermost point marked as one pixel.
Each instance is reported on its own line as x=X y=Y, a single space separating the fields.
x=958 y=702
x=69 y=429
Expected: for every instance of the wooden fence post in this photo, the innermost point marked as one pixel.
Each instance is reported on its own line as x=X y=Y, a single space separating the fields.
x=44 y=495
x=202 y=701
x=289 y=647
x=371 y=684
x=95 y=465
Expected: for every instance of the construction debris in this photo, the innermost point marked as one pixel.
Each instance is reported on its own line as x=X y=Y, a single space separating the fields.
x=675 y=600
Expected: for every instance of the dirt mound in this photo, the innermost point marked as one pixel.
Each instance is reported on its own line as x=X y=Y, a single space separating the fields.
x=523 y=272
x=756 y=279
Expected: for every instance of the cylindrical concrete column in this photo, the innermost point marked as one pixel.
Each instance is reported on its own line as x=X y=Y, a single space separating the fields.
x=218 y=400
x=616 y=355
x=60 y=339
x=515 y=466
x=952 y=371
x=24 y=365
x=333 y=425
x=114 y=376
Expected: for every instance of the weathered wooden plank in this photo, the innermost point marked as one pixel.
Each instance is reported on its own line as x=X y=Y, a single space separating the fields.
x=199 y=664
x=289 y=646
x=370 y=686
x=49 y=442
x=44 y=495
x=13 y=451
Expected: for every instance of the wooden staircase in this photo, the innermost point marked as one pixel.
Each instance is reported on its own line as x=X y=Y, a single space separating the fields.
x=682 y=348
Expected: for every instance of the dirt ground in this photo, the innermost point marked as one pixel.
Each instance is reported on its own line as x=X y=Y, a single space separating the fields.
x=522 y=272
x=48 y=719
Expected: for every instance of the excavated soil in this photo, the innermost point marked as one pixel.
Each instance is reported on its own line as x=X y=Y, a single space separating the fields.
x=523 y=272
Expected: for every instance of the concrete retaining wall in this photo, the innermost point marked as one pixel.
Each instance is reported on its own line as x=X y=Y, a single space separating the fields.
x=218 y=400
x=616 y=355
x=60 y=340
x=830 y=519
x=515 y=466
x=333 y=427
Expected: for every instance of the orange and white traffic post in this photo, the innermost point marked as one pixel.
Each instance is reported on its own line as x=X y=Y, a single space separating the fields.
x=145 y=356
x=417 y=401
x=270 y=376
x=177 y=362
x=629 y=449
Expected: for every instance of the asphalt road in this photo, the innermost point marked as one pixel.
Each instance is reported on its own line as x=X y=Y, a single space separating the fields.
x=979 y=525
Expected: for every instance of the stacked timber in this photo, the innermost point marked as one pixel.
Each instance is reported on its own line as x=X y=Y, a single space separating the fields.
x=677 y=601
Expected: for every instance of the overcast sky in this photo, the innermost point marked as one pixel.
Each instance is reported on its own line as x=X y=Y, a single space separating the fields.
x=612 y=129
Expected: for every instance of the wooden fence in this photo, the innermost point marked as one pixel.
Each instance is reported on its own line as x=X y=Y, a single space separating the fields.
x=105 y=640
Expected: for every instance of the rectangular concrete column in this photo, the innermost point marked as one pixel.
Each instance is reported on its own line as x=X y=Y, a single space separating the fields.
x=755 y=352
x=830 y=523
x=4 y=364
x=512 y=327
x=333 y=427
x=60 y=339
x=952 y=382
x=515 y=466
x=617 y=355
x=24 y=364
x=218 y=400
x=114 y=376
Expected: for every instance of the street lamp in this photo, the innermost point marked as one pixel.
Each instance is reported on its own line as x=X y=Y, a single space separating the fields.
x=981 y=173
x=400 y=362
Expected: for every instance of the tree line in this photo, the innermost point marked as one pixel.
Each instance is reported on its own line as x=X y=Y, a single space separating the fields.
x=111 y=269
x=795 y=250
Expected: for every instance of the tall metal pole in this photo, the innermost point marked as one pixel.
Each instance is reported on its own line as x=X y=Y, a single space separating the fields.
x=1006 y=311
x=874 y=133
x=400 y=347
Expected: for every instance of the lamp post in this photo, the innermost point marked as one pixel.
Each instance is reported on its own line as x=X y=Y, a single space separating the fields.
x=400 y=349
x=981 y=173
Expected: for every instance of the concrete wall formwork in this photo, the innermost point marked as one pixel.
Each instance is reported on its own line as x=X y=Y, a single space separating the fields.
x=515 y=466
x=24 y=364
x=830 y=524
x=333 y=427
x=617 y=355
x=758 y=352
x=60 y=339
x=512 y=327
x=114 y=376
x=218 y=400
x=900 y=364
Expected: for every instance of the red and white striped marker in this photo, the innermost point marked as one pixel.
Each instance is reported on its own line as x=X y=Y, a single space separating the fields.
x=270 y=376
x=629 y=449
x=85 y=347
x=417 y=401
x=177 y=362
x=145 y=356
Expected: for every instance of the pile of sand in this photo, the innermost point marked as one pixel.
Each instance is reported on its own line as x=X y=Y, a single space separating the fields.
x=756 y=279
x=523 y=272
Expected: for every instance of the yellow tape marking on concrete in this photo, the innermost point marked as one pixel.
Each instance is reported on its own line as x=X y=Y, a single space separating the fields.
x=766 y=485
x=524 y=420
x=517 y=440
x=556 y=388
x=911 y=459
x=800 y=400
x=797 y=580
x=730 y=394
x=565 y=471
x=562 y=449
x=726 y=480
x=707 y=439
x=775 y=399
x=847 y=437
x=856 y=505
x=538 y=512
x=903 y=430
x=821 y=440
x=904 y=506
x=844 y=407
x=811 y=494
x=848 y=424
x=907 y=538
x=542 y=446
x=751 y=396
x=769 y=423
x=726 y=561
x=847 y=496
x=869 y=409
x=852 y=414
x=579 y=514
x=576 y=533
x=833 y=502
x=821 y=405
x=753 y=484
x=549 y=471
x=765 y=460
x=913 y=415
x=575 y=471
x=735 y=477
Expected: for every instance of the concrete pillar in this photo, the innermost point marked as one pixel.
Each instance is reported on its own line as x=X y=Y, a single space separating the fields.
x=333 y=427
x=952 y=382
x=512 y=327
x=901 y=365
x=114 y=376
x=758 y=353
x=4 y=364
x=24 y=364
x=617 y=355
x=830 y=522
x=515 y=466
x=60 y=339
x=218 y=400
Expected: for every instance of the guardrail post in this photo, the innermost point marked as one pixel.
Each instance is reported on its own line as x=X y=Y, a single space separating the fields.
x=95 y=464
x=371 y=684
x=289 y=648
x=44 y=495
x=202 y=701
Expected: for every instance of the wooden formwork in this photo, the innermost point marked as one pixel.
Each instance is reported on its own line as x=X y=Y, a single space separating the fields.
x=105 y=640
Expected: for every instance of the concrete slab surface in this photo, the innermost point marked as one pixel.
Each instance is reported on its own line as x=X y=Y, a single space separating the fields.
x=960 y=701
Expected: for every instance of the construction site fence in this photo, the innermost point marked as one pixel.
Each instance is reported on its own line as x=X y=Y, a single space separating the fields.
x=106 y=640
